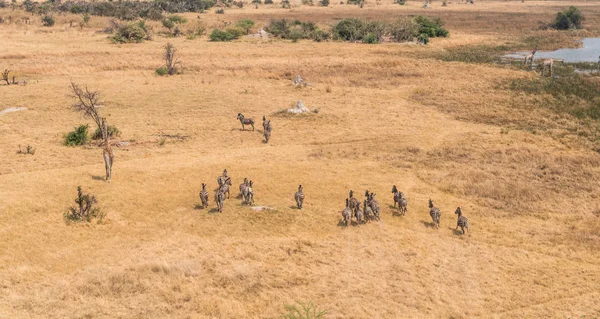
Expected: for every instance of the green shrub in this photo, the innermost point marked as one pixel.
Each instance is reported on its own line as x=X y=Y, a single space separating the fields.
x=245 y=24
x=77 y=137
x=303 y=311
x=285 y=4
x=131 y=32
x=400 y=2
x=324 y=3
x=196 y=31
x=257 y=1
x=268 y=1
x=113 y=131
x=279 y=28
x=403 y=30
x=320 y=35
x=3 y=4
x=423 y=38
x=431 y=27
x=220 y=35
x=308 y=2
x=349 y=30
x=47 y=21
x=370 y=38
x=177 y=19
x=296 y=30
x=235 y=31
x=168 y=24
x=568 y=19
x=162 y=71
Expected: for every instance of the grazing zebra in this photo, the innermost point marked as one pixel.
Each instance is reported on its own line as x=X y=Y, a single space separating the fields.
x=220 y=200
x=368 y=211
x=204 y=196
x=224 y=185
x=248 y=194
x=462 y=221
x=347 y=213
x=267 y=128
x=242 y=186
x=358 y=214
x=373 y=204
x=435 y=214
x=245 y=121
x=299 y=197
x=353 y=201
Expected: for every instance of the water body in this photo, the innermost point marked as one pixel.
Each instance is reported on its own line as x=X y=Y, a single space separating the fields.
x=589 y=52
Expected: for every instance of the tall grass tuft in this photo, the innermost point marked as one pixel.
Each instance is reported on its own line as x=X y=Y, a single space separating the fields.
x=303 y=311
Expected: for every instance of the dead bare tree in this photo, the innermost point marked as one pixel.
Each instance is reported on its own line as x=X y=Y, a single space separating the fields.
x=5 y=76
x=86 y=102
x=171 y=59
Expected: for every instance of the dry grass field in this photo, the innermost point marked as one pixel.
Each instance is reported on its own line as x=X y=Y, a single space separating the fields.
x=526 y=178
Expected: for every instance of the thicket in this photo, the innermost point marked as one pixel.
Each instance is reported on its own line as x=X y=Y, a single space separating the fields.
x=229 y=34
x=132 y=32
x=296 y=29
x=402 y=30
x=78 y=136
x=568 y=19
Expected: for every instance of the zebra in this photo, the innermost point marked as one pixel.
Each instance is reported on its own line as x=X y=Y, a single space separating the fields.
x=373 y=204
x=224 y=183
x=248 y=194
x=400 y=199
x=204 y=196
x=219 y=199
x=299 y=197
x=368 y=211
x=347 y=213
x=462 y=221
x=435 y=214
x=358 y=214
x=353 y=202
x=242 y=186
x=267 y=129
x=221 y=179
x=245 y=121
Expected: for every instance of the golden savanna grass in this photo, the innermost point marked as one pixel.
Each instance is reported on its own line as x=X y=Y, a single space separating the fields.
x=388 y=114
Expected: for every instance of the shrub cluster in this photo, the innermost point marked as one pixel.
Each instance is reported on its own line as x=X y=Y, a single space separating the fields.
x=296 y=30
x=85 y=210
x=401 y=30
x=132 y=32
x=568 y=19
x=229 y=34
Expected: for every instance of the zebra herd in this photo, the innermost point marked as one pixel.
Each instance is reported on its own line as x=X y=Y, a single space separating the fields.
x=370 y=207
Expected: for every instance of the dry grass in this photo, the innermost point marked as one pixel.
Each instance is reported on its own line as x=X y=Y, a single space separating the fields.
x=441 y=130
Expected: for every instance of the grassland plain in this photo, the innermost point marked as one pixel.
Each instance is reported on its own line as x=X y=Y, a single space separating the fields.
x=388 y=114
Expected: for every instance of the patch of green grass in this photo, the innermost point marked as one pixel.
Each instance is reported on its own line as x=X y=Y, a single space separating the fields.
x=482 y=53
x=303 y=311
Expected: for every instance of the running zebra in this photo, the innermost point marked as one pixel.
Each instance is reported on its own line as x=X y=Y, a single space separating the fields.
x=347 y=213
x=204 y=196
x=353 y=202
x=220 y=200
x=400 y=199
x=462 y=221
x=299 y=197
x=358 y=214
x=224 y=183
x=435 y=214
x=245 y=121
x=373 y=204
x=368 y=211
x=248 y=194
x=267 y=129
x=242 y=186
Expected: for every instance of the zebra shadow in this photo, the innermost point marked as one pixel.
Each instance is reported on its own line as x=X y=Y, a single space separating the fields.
x=97 y=177
x=213 y=211
x=198 y=207
x=341 y=223
x=428 y=224
x=397 y=213
x=457 y=232
x=294 y=207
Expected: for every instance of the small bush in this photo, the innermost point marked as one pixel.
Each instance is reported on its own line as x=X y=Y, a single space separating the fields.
x=77 y=137
x=324 y=3
x=168 y=24
x=268 y=1
x=221 y=36
x=400 y=2
x=370 y=38
x=403 y=30
x=220 y=11
x=177 y=19
x=133 y=32
x=568 y=19
x=85 y=210
x=48 y=21
x=348 y=30
x=431 y=28
x=3 y=4
x=162 y=71
x=113 y=131
x=303 y=311
x=308 y=2
x=196 y=31
x=285 y=4
x=245 y=24
x=257 y=1
x=423 y=38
